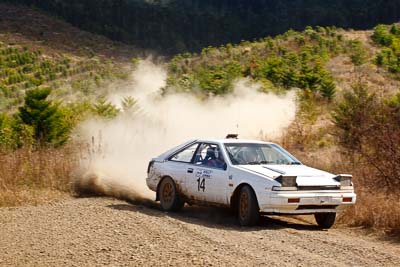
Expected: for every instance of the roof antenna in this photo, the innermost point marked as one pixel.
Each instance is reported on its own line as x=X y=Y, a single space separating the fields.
x=234 y=135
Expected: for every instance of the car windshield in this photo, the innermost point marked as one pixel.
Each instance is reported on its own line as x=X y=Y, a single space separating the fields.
x=255 y=154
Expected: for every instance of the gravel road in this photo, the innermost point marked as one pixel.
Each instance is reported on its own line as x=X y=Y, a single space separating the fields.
x=109 y=232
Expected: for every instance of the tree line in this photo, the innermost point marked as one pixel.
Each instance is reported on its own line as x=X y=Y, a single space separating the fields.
x=174 y=26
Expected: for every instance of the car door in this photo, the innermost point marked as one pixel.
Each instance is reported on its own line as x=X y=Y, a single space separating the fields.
x=207 y=178
x=178 y=165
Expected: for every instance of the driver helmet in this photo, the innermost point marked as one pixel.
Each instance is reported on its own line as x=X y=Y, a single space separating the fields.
x=216 y=153
x=211 y=153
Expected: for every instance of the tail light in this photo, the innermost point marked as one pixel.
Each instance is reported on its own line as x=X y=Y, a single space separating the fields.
x=347 y=200
x=293 y=200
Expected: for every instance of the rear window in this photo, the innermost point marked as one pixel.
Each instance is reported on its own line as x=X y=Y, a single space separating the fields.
x=185 y=155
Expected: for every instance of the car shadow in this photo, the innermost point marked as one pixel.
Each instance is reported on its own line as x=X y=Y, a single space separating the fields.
x=215 y=217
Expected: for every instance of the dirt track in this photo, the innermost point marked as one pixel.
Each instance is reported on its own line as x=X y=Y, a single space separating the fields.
x=100 y=231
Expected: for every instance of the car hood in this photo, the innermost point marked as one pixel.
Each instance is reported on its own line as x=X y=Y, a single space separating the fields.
x=306 y=176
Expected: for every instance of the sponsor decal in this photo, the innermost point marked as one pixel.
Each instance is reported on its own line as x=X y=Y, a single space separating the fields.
x=202 y=173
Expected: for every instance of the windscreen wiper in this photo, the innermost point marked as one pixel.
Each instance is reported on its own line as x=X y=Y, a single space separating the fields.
x=253 y=163
x=266 y=162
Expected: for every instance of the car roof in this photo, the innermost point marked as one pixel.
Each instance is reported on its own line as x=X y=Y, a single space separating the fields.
x=233 y=141
x=215 y=141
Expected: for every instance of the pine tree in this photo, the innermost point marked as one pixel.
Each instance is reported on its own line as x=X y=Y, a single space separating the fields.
x=105 y=109
x=130 y=105
x=48 y=122
x=328 y=88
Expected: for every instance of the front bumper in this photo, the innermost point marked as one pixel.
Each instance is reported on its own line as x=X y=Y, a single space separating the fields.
x=309 y=202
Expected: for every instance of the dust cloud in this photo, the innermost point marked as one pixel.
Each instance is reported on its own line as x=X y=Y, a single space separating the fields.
x=122 y=147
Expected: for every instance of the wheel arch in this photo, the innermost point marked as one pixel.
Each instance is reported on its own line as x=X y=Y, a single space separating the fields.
x=158 y=186
x=235 y=196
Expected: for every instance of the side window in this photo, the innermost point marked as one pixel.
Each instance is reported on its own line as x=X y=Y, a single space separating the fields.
x=209 y=155
x=185 y=155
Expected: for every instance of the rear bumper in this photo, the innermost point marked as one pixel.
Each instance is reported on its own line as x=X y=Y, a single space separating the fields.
x=151 y=183
x=309 y=202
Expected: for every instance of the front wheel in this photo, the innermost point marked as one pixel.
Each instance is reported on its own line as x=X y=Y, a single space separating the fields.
x=248 y=210
x=325 y=220
x=170 y=199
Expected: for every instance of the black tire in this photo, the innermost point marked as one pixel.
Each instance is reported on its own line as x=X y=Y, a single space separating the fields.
x=325 y=220
x=170 y=199
x=248 y=211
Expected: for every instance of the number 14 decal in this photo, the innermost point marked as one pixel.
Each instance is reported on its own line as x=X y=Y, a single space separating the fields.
x=201 y=184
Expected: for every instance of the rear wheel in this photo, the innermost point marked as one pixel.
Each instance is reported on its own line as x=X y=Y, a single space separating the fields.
x=325 y=220
x=170 y=199
x=247 y=209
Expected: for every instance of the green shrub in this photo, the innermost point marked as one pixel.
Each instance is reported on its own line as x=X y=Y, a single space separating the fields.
x=389 y=56
x=14 y=133
x=353 y=115
x=105 y=109
x=45 y=117
x=328 y=88
x=358 y=53
x=395 y=29
x=217 y=79
x=382 y=36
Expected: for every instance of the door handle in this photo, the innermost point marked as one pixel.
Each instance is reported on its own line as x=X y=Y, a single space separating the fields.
x=190 y=170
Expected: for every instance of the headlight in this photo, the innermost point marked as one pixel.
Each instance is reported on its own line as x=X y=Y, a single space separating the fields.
x=287 y=181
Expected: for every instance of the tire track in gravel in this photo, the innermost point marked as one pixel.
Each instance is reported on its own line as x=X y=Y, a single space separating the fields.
x=109 y=232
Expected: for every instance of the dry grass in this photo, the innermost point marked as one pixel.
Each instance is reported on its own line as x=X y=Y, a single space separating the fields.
x=33 y=176
x=345 y=73
x=375 y=210
x=377 y=207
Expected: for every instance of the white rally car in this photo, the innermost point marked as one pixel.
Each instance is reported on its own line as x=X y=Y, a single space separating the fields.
x=252 y=177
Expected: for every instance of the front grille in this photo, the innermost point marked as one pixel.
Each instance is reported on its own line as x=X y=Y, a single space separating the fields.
x=317 y=188
x=318 y=207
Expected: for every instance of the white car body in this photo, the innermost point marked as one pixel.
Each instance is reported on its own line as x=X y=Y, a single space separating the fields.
x=315 y=191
